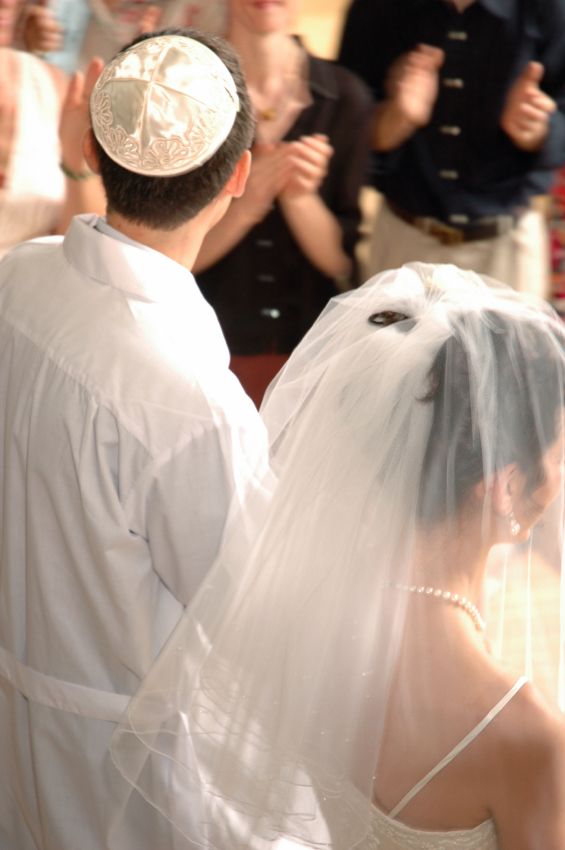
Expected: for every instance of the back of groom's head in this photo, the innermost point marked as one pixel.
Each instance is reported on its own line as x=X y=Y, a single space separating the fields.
x=171 y=118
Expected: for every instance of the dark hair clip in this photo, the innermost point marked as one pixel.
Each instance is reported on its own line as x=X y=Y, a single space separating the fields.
x=386 y=318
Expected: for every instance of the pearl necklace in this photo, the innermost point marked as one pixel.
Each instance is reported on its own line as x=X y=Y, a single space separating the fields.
x=453 y=598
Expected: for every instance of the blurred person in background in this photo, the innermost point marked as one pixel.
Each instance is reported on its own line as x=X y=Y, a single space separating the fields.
x=44 y=179
x=114 y=22
x=55 y=29
x=71 y=32
x=557 y=241
x=288 y=244
x=32 y=186
x=469 y=129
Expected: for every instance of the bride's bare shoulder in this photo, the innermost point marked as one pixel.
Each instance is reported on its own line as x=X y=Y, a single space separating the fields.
x=528 y=773
x=530 y=720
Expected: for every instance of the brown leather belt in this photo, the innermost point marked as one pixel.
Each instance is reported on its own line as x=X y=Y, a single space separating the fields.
x=447 y=234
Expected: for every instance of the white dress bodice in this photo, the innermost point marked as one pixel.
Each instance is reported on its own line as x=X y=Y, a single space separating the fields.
x=31 y=199
x=389 y=834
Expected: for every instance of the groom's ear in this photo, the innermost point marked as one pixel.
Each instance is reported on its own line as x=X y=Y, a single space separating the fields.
x=90 y=153
x=236 y=183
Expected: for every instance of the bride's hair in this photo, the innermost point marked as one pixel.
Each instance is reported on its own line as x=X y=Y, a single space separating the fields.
x=526 y=377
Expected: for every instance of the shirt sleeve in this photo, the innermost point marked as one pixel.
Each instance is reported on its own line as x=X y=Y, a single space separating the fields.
x=351 y=159
x=552 y=57
x=183 y=501
x=374 y=35
x=552 y=154
x=357 y=49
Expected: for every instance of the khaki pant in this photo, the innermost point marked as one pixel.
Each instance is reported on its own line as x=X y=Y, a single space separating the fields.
x=519 y=258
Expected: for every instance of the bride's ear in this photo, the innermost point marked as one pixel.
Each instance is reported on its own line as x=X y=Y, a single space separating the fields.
x=501 y=488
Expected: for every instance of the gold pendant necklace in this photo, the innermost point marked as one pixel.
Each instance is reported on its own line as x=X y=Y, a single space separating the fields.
x=267 y=114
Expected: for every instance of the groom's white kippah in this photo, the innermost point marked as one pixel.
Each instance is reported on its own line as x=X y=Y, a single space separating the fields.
x=164 y=106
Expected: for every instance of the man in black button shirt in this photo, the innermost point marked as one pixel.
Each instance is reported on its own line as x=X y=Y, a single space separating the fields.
x=469 y=128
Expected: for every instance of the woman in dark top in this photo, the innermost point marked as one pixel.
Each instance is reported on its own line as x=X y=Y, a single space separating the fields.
x=288 y=244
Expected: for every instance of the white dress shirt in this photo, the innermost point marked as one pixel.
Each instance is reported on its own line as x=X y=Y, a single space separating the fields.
x=123 y=438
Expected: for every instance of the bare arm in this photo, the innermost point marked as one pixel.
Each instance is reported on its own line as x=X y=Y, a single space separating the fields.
x=529 y=790
x=269 y=172
x=313 y=225
x=41 y=32
x=84 y=191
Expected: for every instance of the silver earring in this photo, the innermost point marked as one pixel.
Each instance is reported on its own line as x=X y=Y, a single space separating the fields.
x=515 y=527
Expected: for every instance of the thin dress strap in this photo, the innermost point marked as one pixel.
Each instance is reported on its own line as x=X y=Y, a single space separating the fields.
x=459 y=747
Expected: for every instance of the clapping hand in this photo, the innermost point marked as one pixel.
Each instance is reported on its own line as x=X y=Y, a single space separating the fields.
x=307 y=161
x=525 y=118
x=42 y=33
x=75 y=117
x=412 y=84
x=270 y=170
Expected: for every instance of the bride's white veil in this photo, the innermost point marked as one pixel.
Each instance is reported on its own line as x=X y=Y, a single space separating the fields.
x=400 y=413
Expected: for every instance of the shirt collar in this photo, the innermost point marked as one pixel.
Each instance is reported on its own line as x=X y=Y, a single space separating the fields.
x=140 y=272
x=500 y=8
x=321 y=78
x=102 y=226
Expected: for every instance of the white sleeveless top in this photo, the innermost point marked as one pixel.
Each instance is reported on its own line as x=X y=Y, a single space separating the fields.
x=31 y=198
x=387 y=833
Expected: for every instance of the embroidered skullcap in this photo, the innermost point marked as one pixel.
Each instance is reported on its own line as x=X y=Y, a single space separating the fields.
x=164 y=106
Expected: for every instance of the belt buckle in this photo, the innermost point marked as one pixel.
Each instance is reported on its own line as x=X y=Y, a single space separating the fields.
x=444 y=233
